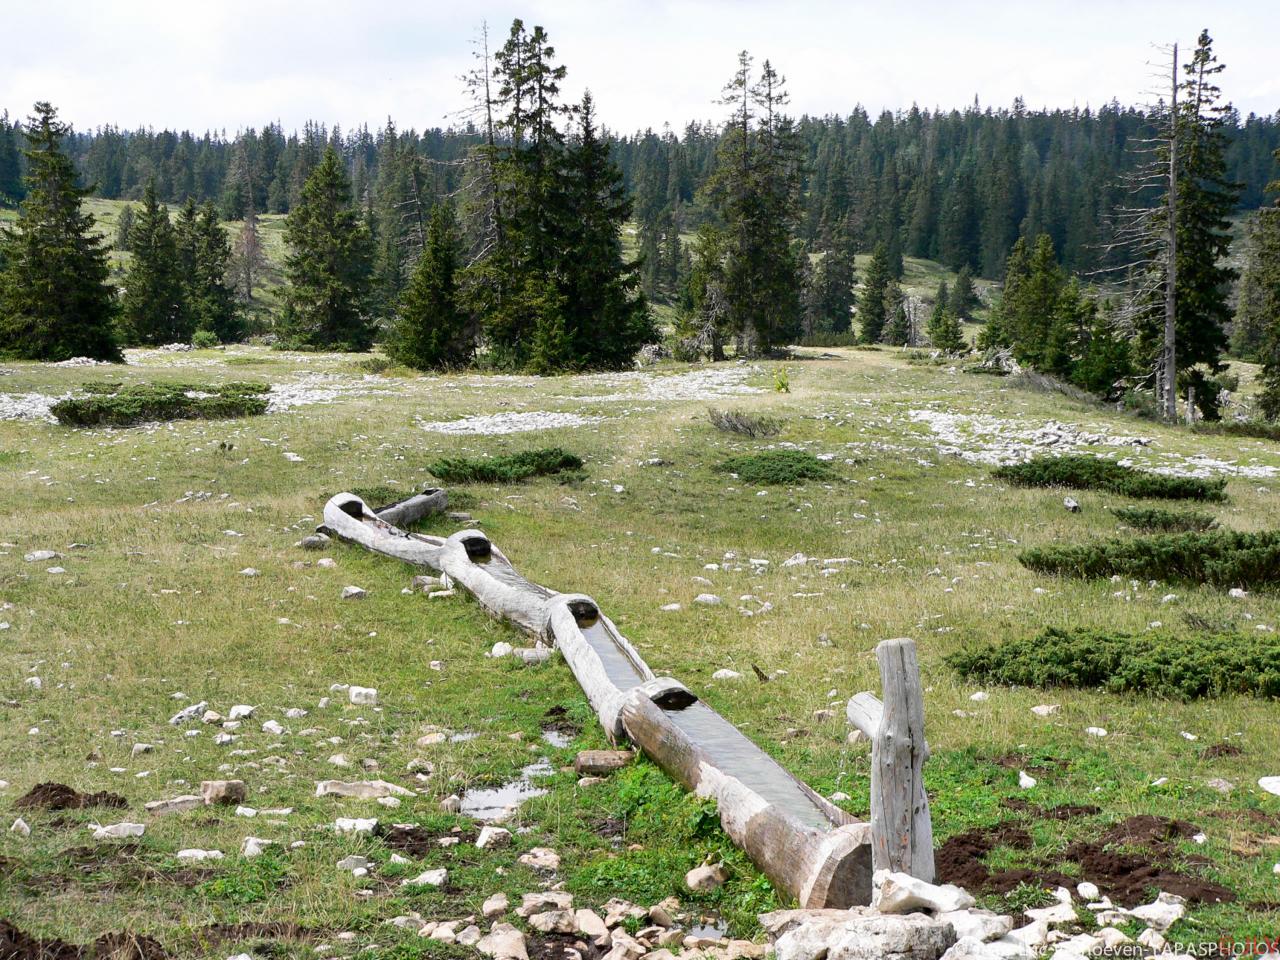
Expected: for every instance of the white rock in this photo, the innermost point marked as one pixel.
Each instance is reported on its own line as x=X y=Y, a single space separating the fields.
x=726 y=674
x=117 y=831
x=241 y=711
x=1026 y=781
x=495 y=906
x=979 y=924
x=353 y=862
x=706 y=878
x=248 y=572
x=159 y=808
x=1162 y=913
x=1095 y=731
x=1058 y=913
x=1237 y=594
x=355 y=824
x=249 y=812
x=1046 y=709
x=501 y=649
x=253 y=846
x=428 y=878
x=980 y=696
x=670 y=607
x=272 y=727
x=360 y=790
x=1152 y=939
x=21 y=828
x=327 y=563
x=503 y=942
x=198 y=855
x=1270 y=784
x=35 y=682
x=541 y=858
x=491 y=837
x=900 y=893
x=351 y=592
x=40 y=556
x=187 y=714
x=707 y=599
x=223 y=791
x=390 y=803
x=362 y=696
x=1088 y=891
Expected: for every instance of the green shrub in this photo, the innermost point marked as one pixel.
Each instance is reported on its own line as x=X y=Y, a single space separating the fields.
x=847 y=338
x=112 y=405
x=743 y=423
x=507 y=468
x=1083 y=472
x=1224 y=558
x=204 y=340
x=1186 y=667
x=102 y=386
x=777 y=467
x=1172 y=521
x=1258 y=429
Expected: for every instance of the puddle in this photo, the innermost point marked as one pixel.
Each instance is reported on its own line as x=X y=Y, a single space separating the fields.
x=713 y=928
x=496 y=803
x=556 y=738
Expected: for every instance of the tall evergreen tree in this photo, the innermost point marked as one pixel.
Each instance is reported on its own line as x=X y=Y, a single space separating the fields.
x=11 y=189
x=329 y=265
x=431 y=330
x=963 y=300
x=210 y=296
x=944 y=329
x=154 y=309
x=55 y=302
x=872 y=315
x=1264 y=271
x=829 y=294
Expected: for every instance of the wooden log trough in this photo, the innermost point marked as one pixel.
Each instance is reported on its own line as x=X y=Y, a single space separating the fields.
x=807 y=846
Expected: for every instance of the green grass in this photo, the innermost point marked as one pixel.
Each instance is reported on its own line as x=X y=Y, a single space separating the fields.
x=153 y=603
x=1185 y=665
x=1084 y=472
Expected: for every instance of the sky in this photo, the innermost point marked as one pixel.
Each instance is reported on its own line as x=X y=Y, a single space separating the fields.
x=231 y=64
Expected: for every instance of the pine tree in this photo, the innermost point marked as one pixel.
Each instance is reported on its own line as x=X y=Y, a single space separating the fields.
x=209 y=294
x=899 y=328
x=829 y=293
x=124 y=223
x=431 y=330
x=329 y=265
x=963 y=299
x=872 y=314
x=944 y=330
x=55 y=302
x=154 y=309
x=1264 y=268
x=248 y=260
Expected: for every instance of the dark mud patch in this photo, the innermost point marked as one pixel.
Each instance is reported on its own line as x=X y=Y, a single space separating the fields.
x=1065 y=811
x=1019 y=761
x=550 y=946
x=415 y=841
x=611 y=828
x=1222 y=750
x=557 y=719
x=1145 y=830
x=16 y=944
x=1131 y=879
x=959 y=860
x=58 y=796
x=269 y=931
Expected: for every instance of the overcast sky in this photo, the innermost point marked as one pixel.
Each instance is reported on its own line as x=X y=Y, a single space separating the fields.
x=229 y=64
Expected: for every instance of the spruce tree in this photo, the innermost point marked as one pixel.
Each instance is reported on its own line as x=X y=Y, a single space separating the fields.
x=871 y=302
x=963 y=298
x=11 y=190
x=898 y=331
x=154 y=309
x=210 y=297
x=124 y=223
x=55 y=302
x=944 y=329
x=606 y=319
x=329 y=266
x=431 y=330
x=1264 y=269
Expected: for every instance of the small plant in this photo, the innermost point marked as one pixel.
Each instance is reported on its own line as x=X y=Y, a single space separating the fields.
x=776 y=467
x=204 y=340
x=507 y=468
x=1223 y=558
x=1083 y=472
x=1170 y=521
x=1258 y=429
x=113 y=405
x=782 y=380
x=1186 y=667
x=746 y=424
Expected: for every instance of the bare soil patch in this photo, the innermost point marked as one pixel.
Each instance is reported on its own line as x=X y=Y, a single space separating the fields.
x=58 y=796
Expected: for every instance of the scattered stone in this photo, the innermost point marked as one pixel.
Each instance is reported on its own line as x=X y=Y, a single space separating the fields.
x=351 y=592
x=117 y=831
x=898 y=893
x=1088 y=891
x=706 y=878
x=726 y=674
x=503 y=942
x=40 y=556
x=360 y=790
x=353 y=862
x=355 y=824
x=491 y=837
x=589 y=924
x=1221 y=785
x=1025 y=780
x=1071 y=505
x=707 y=599
x=187 y=714
x=554 y=921
x=21 y=828
x=1270 y=784
x=314 y=541
x=1095 y=731
x=225 y=792
x=541 y=858
x=253 y=846
x=495 y=906
x=596 y=763
x=543 y=901
x=857 y=934
x=198 y=855
x=1162 y=913
x=362 y=696
x=979 y=924
x=428 y=878
x=501 y=649
x=159 y=808
x=1046 y=709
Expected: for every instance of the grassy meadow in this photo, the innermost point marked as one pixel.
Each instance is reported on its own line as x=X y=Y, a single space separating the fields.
x=152 y=612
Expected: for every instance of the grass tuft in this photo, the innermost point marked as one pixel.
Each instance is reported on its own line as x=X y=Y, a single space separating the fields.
x=1183 y=667
x=507 y=468
x=775 y=467
x=744 y=424
x=1083 y=472
x=1223 y=558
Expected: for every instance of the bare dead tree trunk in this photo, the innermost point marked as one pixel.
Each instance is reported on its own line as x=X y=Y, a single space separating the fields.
x=1169 y=355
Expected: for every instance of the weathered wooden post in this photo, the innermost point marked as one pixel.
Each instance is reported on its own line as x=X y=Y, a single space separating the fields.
x=901 y=831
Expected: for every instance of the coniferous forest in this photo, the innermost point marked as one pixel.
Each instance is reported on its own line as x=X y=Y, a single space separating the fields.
x=500 y=236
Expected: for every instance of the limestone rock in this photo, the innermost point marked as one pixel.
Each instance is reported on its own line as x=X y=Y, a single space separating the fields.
x=541 y=858
x=253 y=846
x=180 y=804
x=503 y=942
x=491 y=837
x=706 y=878
x=360 y=790
x=224 y=791
x=857 y=934
x=900 y=893
x=589 y=924
x=362 y=696
x=978 y=924
x=495 y=906
x=428 y=878
x=118 y=831
x=544 y=901
x=1162 y=913
x=352 y=592
x=554 y=921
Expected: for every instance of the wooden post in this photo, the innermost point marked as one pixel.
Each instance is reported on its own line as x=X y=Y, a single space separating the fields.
x=901 y=831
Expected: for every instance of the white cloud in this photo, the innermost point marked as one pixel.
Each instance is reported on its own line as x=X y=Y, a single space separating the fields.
x=239 y=63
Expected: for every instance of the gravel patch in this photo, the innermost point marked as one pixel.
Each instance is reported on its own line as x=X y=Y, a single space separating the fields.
x=501 y=423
